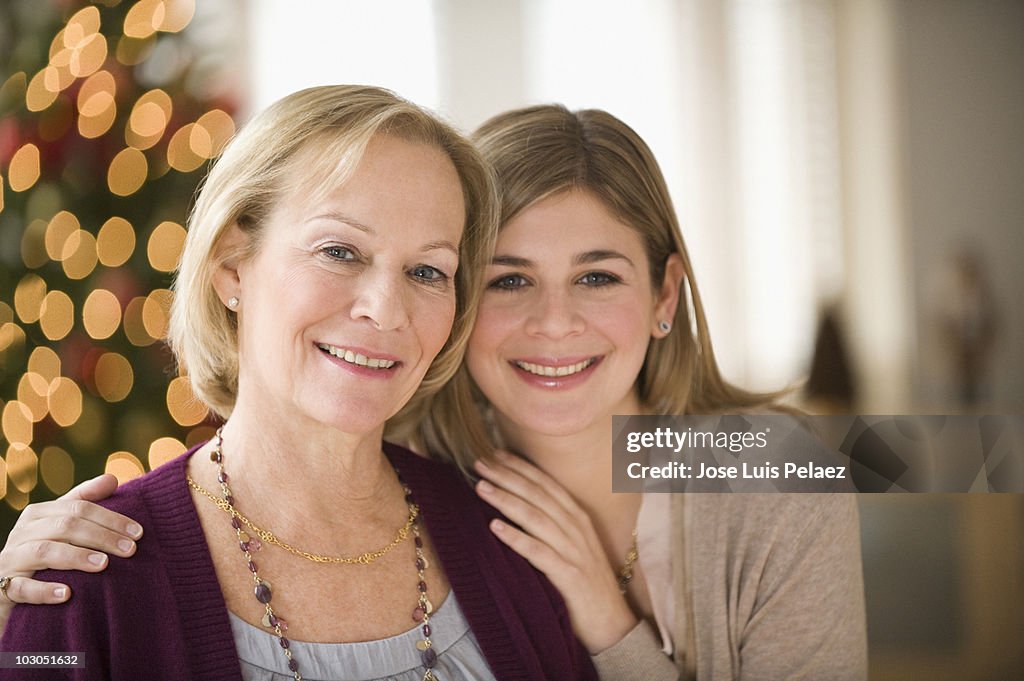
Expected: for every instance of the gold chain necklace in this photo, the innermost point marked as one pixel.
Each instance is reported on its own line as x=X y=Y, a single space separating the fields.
x=264 y=591
x=626 y=573
x=271 y=538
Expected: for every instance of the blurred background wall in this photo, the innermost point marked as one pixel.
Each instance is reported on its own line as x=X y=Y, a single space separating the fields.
x=848 y=174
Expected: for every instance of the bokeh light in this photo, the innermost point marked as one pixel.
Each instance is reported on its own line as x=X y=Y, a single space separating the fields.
x=38 y=96
x=199 y=435
x=58 y=231
x=97 y=105
x=28 y=297
x=124 y=466
x=156 y=312
x=177 y=14
x=88 y=56
x=131 y=51
x=3 y=478
x=57 y=469
x=45 y=362
x=219 y=127
x=32 y=392
x=17 y=423
x=33 y=245
x=65 y=401
x=56 y=315
x=163 y=450
x=22 y=467
x=114 y=377
x=165 y=244
x=11 y=336
x=127 y=172
x=23 y=171
x=180 y=154
x=116 y=242
x=182 y=403
x=101 y=314
x=79 y=255
x=134 y=328
x=148 y=119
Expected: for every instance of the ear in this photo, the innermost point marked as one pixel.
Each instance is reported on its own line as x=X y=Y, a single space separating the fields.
x=667 y=301
x=227 y=278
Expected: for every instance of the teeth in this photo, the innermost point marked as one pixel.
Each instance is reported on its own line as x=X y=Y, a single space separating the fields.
x=355 y=358
x=541 y=370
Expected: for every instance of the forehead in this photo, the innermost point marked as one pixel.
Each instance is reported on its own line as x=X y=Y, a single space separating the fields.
x=566 y=223
x=397 y=183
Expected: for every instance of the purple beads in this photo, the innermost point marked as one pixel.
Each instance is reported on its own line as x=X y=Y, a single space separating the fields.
x=429 y=658
x=285 y=643
x=293 y=665
x=263 y=593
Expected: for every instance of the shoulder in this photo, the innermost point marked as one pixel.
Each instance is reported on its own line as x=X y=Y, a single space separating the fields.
x=772 y=518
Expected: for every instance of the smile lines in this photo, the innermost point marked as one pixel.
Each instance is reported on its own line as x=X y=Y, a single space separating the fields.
x=356 y=358
x=542 y=370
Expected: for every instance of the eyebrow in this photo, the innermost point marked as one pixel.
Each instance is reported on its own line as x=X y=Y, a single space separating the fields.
x=341 y=217
x=586 y=258
x=352 y=222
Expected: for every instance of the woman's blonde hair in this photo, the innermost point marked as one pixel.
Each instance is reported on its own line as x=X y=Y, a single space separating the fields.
x=312 y=141
x=540 y=151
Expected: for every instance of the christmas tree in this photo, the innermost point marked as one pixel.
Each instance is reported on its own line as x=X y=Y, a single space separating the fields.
x=109 y=114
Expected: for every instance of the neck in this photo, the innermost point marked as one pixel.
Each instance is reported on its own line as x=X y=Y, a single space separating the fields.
x=301 y=477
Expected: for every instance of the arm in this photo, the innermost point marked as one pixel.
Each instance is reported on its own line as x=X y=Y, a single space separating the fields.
x=809 y=621
x=558 y=538
x=69 y=533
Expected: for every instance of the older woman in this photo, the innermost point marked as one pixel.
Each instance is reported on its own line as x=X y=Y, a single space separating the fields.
x=328 y=280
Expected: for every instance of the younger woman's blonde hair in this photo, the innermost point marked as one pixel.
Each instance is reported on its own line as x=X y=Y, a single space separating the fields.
x=540 y=151
x=311 y=141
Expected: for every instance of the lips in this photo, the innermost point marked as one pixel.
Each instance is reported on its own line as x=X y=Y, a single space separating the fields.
x=358 y=358
x=555 y=374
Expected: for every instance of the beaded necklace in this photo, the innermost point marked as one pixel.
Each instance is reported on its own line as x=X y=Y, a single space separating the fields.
x=263 y=590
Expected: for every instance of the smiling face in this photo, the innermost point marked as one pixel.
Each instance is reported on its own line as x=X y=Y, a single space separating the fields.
x=567 y=317
x=348 y=299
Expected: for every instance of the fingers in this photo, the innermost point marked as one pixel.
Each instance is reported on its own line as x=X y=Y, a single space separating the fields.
x=56 y=555
x=94 y=489
x=26 y=590
x=538 y=515
x=77 y=503
x=538 y=553
x=525 y=494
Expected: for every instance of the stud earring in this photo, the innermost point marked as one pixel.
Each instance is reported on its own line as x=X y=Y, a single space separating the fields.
x=664 y=326
x=232 y=302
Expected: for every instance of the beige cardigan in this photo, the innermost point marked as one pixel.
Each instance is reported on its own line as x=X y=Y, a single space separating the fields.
x=764 y=587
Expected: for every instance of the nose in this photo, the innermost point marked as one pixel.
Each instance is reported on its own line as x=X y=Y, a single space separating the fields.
x=554 y=316
x=381 y=299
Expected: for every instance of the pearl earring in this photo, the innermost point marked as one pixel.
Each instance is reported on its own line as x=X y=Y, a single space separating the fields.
x=232 y=302
x=664 y=326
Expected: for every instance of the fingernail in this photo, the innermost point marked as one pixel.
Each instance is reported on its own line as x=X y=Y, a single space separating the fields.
x=97 y=558
x=135 y=530
x=485 y=487
x=125 y=545
x=497 y=526
x=60 y=592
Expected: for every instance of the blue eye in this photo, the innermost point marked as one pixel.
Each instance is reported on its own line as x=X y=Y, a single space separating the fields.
x=338 y=253
x=596 y=279
x=508 y=282
x=428 y=274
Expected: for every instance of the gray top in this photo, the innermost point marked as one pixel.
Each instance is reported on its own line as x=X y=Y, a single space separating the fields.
x=390 y=659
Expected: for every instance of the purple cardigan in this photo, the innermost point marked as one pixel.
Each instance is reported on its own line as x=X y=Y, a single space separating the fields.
x=161 y=615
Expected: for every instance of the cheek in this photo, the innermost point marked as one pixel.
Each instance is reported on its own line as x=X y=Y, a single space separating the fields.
x=434 y=324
